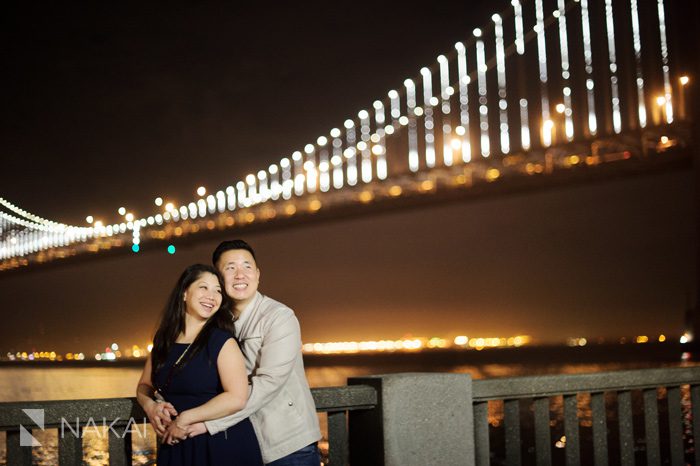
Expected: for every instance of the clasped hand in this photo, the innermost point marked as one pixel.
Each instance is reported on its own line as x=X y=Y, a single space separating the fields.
x=172 y=428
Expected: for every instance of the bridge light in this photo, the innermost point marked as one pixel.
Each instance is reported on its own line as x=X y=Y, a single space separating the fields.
x=684 y=80
x=477 y=32
x=89 y=219
x=171 y=249
x=201 y=191
x=121 y=210
x=159 y=201
x=129 y=217
x=560 y=108
x=322 y=141
x=335 y=133
x=135 y=247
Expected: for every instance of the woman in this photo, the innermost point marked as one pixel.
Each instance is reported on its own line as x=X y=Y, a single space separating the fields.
x=197 y=367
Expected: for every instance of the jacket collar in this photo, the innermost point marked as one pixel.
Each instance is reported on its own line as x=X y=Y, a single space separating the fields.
x=248 y=311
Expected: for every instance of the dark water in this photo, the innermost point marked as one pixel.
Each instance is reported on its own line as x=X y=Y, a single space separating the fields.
x=55 y=382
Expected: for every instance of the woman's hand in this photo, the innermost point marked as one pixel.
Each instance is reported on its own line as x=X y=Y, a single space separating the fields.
x=179 y=429
x=160 y=415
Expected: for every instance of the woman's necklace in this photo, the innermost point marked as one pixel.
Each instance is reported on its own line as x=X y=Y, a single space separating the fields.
x=177 y=362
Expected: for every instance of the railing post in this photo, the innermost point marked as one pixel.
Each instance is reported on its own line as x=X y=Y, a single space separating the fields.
x=120 y=450
x=420 y=418
x=17 y=455
x=70 y=450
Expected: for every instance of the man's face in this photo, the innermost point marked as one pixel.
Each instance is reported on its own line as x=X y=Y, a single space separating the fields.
x=241 y=276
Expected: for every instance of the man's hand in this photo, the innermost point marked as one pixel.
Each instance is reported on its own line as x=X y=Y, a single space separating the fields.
x=197 y=429
x=160 y=415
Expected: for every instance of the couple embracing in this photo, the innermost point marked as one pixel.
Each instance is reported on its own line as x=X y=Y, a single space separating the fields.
x=225 y=383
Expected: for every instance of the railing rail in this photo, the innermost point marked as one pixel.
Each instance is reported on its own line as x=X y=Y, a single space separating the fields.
x=620 y=385
x=122 y=415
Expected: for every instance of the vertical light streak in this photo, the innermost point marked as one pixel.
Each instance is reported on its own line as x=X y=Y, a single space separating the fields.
x=211 y=204
x=351 y=152
x=664 y=61
x=275 y=186
x=252 y=189
x=395 y=106
x=519 y=34
x=501 y=72
x=337 y=159
x=324 y=178
x=310 y=172
x=380 y=120
x=428 y=118
x=230 y=198
x=463 y=101
x=242 y=202
x=263 y=186
x=565 y=70
x=612 y=56
x=637 y=43
x=287 y=178
x=412 y=133
x=298 y=173
x=445 y=93
x=542 y=59
x=220 y=201
x=481 y=83
x=365 y=149
x=520 y=49
x=588 y=61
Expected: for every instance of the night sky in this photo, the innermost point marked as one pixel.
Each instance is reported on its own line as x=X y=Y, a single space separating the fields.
x=109 y=105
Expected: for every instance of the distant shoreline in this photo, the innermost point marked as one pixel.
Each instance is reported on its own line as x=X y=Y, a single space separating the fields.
x=593 y=353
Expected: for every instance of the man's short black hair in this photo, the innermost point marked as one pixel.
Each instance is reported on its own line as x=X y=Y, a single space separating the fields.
x=230 y=245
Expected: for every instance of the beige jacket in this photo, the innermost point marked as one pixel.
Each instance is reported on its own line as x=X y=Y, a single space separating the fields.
x=280 y=405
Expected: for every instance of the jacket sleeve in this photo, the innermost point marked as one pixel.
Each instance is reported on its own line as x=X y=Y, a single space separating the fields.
x=281 y=345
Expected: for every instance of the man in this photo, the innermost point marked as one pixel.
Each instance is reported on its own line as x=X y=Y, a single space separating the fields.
x=280 y=405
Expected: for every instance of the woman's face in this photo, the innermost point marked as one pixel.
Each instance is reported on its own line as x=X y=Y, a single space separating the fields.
x=203 y=297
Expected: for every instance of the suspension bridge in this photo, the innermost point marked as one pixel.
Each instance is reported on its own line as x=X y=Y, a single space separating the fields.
x=550 y=91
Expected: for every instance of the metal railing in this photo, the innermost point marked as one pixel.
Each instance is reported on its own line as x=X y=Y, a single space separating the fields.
x=123 y=415
x=644 y=390
x=648 y=416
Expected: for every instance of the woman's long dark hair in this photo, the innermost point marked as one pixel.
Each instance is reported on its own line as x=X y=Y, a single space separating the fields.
x=172 y=322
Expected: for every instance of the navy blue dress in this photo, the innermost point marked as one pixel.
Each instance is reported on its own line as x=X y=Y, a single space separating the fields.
x=193 y=384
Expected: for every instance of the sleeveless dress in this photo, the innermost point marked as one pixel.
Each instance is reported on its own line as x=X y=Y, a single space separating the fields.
x=193 y=384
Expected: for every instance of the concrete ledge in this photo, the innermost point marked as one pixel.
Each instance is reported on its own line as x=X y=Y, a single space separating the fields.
x=420 y=419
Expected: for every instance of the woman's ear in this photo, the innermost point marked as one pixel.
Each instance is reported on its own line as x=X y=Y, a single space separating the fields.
x=184 y=296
